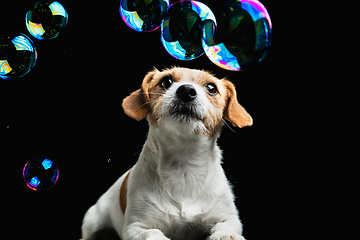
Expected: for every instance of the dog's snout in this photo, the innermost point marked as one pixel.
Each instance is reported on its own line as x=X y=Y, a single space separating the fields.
x=186 y=93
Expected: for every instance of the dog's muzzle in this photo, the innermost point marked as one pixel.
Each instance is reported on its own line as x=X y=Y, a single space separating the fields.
x=186 y=93
x=184 y=106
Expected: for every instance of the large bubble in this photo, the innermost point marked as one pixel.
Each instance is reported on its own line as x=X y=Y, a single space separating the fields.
x=243 y=36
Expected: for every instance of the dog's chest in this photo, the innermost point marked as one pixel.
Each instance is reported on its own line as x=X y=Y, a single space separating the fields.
x=186 y=223
x=184 y=227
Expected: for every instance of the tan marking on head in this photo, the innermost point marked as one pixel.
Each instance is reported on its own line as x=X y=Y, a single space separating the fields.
x=148 y=100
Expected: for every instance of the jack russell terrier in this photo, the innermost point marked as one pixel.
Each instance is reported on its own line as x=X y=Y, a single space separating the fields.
x=177 y=189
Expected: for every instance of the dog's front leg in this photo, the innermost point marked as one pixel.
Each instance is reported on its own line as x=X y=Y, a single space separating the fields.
x=227 y=230
x=138 y=231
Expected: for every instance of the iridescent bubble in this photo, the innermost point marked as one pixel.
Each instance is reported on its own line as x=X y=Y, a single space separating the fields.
x=243 y=37
x=143 y=15
x=40 y=174
x=17 y=55
x=181 y=30
x=45 y=19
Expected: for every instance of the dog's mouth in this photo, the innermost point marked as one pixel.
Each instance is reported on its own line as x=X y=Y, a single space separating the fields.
x=184 y=112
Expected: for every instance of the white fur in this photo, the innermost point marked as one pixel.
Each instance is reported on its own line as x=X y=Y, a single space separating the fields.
x=201 y=102
x=177 y=189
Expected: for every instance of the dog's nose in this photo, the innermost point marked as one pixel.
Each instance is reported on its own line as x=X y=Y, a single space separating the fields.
x=186 y=93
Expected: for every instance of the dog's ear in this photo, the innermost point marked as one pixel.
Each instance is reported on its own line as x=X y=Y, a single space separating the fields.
x=234 y=112
x=135 y=105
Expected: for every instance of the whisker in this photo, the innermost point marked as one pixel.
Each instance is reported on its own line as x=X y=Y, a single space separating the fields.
x=142 y=93
x=228 y=125
x=225 y=122
x=151 y=93
x=156 y=100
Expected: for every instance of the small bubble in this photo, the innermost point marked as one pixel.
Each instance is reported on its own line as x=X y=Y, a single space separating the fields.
x=143 y=16
x=45 y=20
x=181 y=30
x=17 y=55
x=40 y=174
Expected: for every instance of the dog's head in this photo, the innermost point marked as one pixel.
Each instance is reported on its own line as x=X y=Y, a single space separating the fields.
x=186 y=100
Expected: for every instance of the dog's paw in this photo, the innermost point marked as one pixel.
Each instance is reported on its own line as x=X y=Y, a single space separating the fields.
x=155 y=234
x=222 y=236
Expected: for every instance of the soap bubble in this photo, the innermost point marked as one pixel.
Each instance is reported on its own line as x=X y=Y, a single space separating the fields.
x=181 y=30
x=142 y=15
x=40 y=174
x=45 y=19
x=17 y=55
x=243 y=37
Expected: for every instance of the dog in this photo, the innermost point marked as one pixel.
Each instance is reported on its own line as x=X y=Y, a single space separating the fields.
x=177 y=189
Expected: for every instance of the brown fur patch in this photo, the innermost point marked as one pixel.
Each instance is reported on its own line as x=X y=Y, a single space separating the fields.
x=123 y=194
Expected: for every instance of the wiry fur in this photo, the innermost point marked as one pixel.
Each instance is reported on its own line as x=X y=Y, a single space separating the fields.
x=177 y=189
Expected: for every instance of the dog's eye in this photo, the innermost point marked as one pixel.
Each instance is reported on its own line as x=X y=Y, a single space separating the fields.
x=166 y=82
x=211 y=89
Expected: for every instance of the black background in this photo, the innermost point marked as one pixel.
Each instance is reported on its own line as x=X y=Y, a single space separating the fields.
x=68 y=109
